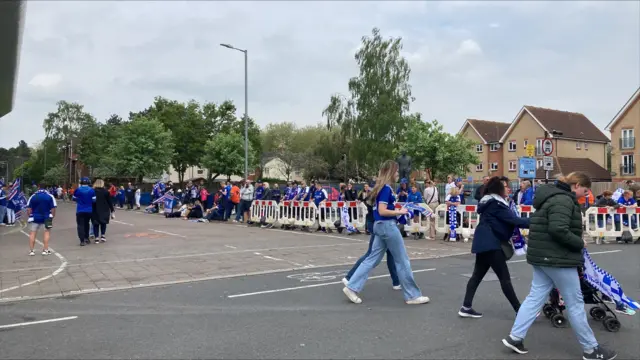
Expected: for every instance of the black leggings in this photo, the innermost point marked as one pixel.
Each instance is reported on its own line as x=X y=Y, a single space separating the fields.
x=99 y=228
x=82 y=221
x=495 y=260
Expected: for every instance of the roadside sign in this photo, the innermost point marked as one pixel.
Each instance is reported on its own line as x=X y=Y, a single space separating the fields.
x=530 y=149
x=547 y=163
x=547 y=147
x=527 y=168
x=470 y=179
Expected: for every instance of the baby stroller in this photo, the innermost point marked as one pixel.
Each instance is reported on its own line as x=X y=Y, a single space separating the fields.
x=554 y=307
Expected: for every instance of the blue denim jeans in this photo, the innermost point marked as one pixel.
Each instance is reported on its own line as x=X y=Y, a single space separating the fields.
x=390 y=261
x=567 y=282
x=387 y=237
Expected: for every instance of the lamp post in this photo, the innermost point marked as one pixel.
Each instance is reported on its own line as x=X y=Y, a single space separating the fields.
x=246 y=109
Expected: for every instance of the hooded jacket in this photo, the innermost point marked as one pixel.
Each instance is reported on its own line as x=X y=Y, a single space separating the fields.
x=496 y=224
x=555 y=235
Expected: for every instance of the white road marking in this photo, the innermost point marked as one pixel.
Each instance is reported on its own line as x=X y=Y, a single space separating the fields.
x=276 y=259
x=230 y=247
x=168 y=233
x=37 y=322
x=121 y=222
x=311 y=286
x=60 y=269
x=591 y=253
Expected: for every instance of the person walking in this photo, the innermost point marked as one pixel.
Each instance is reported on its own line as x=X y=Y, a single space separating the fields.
x=492 y=235
x=102 y=211
x=84 y=196
x=555 y=250
x=41 y=209
x=387 y=236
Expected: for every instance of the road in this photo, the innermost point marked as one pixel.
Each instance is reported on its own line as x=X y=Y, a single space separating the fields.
x=283 y=314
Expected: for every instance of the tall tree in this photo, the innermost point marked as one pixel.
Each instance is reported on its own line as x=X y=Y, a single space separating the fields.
x=433 y=148
x=373 y=116
x=224 y=155
x=142 y=148
x=67 y=122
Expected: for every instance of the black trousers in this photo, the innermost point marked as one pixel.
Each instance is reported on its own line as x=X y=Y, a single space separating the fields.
x=82 y=221
x=495 y=260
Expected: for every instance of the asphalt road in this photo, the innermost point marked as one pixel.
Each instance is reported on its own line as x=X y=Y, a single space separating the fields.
x=302 y=315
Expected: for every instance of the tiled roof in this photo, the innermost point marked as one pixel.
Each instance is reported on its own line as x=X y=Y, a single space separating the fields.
x=562 y=165
x=490 y=131
x=572 y=125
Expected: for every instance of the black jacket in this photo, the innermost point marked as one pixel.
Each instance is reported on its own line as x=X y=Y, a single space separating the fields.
x=267 y=194
x=102 y=207
x=496 y=225
x=479 y=193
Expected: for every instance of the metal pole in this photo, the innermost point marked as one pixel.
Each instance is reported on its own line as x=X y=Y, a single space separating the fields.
x=246 y=117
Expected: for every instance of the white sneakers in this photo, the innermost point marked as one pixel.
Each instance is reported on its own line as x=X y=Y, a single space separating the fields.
x=419 y=300
x=345 y=282
x=353 y=297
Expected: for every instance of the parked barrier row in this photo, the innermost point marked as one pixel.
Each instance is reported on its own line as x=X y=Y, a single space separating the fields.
x=608 y=222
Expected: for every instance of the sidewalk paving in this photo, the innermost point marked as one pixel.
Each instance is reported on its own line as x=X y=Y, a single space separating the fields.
x=149 y=250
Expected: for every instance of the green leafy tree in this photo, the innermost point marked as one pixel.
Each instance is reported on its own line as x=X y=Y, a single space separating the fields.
x=433 y=148
x=286 y=142
x=67 y=122
x=56 y=175
x=372 y=117
x=224 y=155
x=142 y=147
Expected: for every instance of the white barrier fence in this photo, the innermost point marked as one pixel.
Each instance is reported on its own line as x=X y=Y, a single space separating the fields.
x=598 y=222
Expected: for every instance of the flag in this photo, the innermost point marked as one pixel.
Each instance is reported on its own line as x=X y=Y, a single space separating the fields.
x=20 y=203
x=163 y=198
x=605 y=282
x=14 y=190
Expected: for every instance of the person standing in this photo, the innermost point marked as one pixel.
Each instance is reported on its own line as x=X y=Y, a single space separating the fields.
x=494 y=231
x=479 y=193
x=246 y=198
x=102 y=211
x=555 y=250
x=3 y=203
x=431 y=197
x=137 y=198
x=130 y=192
x=84 y=196
x=387 y=236
x=41 y=209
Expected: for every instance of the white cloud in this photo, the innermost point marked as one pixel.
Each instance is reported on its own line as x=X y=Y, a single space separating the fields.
x=494 y=25
x=116 y=56
x=46 y=80
x=469 y=47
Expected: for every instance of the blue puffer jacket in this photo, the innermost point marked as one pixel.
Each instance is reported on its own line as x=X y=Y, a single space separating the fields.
x=496 y=225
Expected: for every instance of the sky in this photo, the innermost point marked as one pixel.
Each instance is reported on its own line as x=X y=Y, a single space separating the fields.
x=469 y=59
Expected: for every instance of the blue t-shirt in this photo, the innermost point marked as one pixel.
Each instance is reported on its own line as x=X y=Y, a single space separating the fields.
x=629 y=202
x=3 y=198
x=319 y=196
x=259 y=192
x=41 y=203
x=385 y=196
x=227 y=191
x=84 y=196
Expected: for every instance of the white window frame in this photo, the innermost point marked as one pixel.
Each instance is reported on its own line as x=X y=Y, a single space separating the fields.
x=494 y=147
x=630 y=161
x=513 y=165
x=526 y=142
x=494 y=166
x=479 y=167
x=585 y=145
x=479 y=148
x=578 y=145
x=513 y=145
x=627 y=134
x=539 y=147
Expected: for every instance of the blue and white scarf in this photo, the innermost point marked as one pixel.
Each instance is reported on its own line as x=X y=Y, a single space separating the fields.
x=453 y=222
x=412 y=208
x=519 y=245
x=605 y=282
x=344 y=218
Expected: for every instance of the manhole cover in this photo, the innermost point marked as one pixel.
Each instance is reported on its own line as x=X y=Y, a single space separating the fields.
x=488 y=277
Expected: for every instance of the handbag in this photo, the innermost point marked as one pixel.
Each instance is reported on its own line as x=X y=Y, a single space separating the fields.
x=507 y=249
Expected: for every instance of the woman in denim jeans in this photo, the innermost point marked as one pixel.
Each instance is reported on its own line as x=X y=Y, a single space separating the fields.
x=555 y=250
x=387 y=237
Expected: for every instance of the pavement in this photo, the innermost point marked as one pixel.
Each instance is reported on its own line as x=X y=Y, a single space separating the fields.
x=299 y=313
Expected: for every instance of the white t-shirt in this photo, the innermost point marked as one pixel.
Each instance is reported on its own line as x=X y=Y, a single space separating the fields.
x=448 y=187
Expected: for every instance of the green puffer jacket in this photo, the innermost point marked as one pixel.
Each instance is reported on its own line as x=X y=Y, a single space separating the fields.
x=555 y=233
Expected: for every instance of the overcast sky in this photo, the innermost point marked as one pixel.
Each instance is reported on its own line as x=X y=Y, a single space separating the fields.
x=468 y=59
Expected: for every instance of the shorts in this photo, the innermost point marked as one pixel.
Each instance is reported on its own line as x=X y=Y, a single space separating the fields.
x=48 y=224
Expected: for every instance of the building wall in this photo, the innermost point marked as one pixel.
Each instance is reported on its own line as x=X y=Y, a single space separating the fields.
x=275 y=169
x=495 y=157
x=469 y=133
x=526 y=129
x=630 y=120
x=196 y=172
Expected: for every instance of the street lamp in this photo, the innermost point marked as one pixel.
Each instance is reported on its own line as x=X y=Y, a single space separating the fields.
x=246 y=110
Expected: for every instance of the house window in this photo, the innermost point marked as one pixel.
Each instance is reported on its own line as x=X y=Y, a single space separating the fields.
x=479 y=148
x=494 y=166
x=200 y=171
x=526 y=142
x=627 y=140
x=578 y=143
x=586 y=146
x=513 y=166
x=494 y=147
x=628 y=166
x=539 y=147
x=479 y=167
x=512 y=145
x=538 y=163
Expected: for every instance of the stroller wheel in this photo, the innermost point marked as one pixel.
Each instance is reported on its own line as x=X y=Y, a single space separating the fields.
x=611 y=324
x=549 y=311
x=559 y=321
x=598 y=313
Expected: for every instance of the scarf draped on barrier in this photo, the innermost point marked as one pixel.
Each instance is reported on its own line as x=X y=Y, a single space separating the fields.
x=519 y=245
x=605 y=282
x=453 y=222
x=344 y=218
